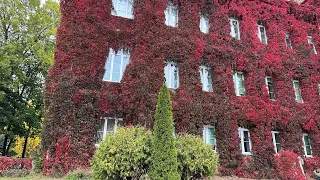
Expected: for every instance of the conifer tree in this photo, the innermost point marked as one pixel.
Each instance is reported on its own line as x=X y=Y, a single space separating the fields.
x=164 y=163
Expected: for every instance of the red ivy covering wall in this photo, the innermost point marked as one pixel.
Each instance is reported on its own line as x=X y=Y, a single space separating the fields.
x=76 y=96
x=288 y=166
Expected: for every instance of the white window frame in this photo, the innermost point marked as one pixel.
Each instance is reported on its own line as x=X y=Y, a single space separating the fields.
x=168 y=14
x=232 y=28
x=260 y=34
x=169 y=73
x=310 y=41
x=295 y=91
x=206 y=138
x=111 y=56
x=236 y=83
x=304 y=145
x=274 y=141
x=115 y=4
x=266 y=79
x=288 y=41
x=205 y=72
x=105 y=132
x=204 y=23
x=241 y=131
x=319 y=88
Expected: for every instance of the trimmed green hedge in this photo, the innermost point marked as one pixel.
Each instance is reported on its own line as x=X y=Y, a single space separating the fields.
x=196 y=159
x=124 y=155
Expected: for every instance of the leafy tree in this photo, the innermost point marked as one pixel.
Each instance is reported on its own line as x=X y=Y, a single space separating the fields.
x=164 y=163
x=27 y=38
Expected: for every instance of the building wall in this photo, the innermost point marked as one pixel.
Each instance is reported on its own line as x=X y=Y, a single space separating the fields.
x=76 y=96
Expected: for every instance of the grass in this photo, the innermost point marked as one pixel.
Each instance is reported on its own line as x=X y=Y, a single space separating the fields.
x=33 y=176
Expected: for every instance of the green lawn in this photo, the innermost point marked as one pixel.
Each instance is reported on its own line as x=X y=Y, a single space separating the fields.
x=32 y=176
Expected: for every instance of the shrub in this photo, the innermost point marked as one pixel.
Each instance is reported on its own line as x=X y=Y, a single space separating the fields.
x=32 y=145
x=124 y=155
x=7 y=163
x=196 y=159
x=14 y=167
x=287 y=166
x=38 y=161
x=164 y=163
x=79 y=174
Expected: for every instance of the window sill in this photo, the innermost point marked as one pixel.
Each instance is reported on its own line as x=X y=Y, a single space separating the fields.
x=204 y=32
x=308 y=156
x=215 y=151
x=96 y=145
x=246 y=153
x=122 y=16
x=207 y=91
x=171 y=26
x=240 y=96
x=111 y=81
x=172 y=88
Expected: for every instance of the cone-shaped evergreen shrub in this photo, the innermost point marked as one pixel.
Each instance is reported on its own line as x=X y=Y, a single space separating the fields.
x=164 y=163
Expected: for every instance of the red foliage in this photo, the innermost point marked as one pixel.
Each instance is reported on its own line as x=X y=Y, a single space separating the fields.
x=312 y=164
x=7 y=163
x=76 y=97
x=287 y=166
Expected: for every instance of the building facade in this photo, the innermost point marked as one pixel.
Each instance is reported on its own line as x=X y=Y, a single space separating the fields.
x=243 y=75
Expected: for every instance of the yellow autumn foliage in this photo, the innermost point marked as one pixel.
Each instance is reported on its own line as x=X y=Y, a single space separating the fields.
x=32 y=145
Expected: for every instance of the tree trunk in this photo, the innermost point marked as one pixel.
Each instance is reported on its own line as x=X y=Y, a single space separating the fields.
x=4 y=147
x=25 y=144
x=8 y=148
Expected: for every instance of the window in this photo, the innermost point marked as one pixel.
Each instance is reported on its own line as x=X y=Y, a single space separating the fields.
x=276 y=141
x=288 y=41
x=235 y=28
x=270 y=88
x=245 y=141
x=306 y=145
x=204 y=24
x=297 y=91
x=314 y=51
x=171 y=14
x=107 y=126
x=171 y=74
x=208 y=136
x=116 y=64
x=319 y=89
x=262 y=34
x=122 y=8
x=238 y=81
x=206 y=79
